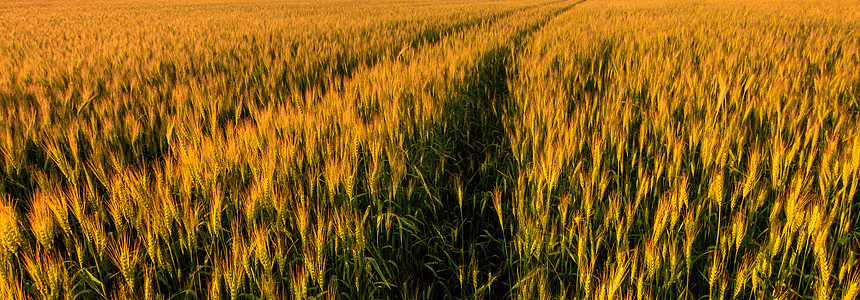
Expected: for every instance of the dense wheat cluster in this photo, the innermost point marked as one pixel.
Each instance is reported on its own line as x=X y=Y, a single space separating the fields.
x=537 y=149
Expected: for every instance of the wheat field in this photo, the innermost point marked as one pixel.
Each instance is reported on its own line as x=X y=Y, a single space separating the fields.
x=415 y=149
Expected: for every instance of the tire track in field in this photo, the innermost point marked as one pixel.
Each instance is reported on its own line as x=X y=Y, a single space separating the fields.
x=344 y=67
x=474 y=136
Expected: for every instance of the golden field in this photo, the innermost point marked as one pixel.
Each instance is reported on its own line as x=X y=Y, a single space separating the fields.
x=379 y=149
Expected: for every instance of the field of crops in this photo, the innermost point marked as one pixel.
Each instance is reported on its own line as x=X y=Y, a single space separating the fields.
x=403 y=149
